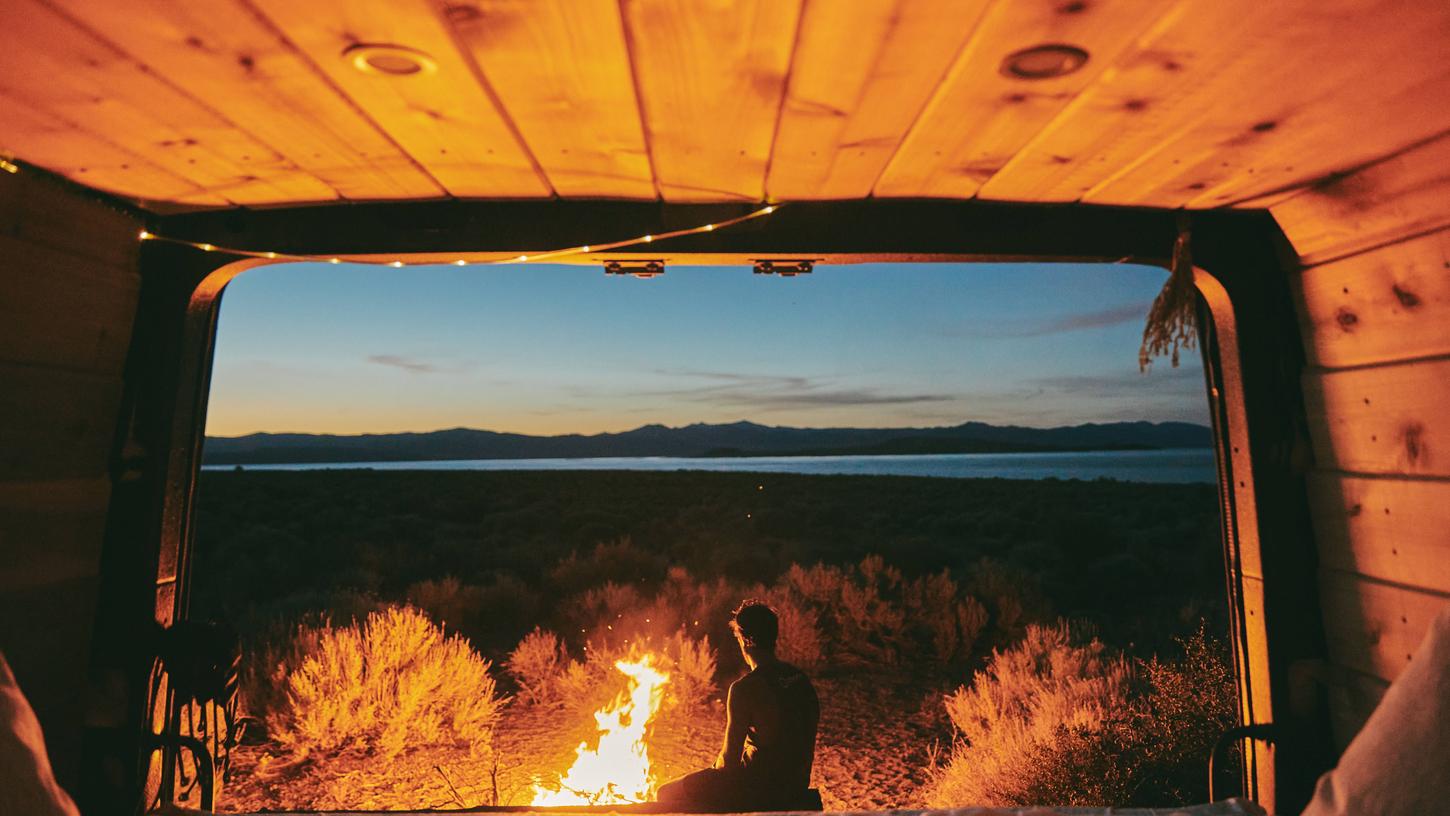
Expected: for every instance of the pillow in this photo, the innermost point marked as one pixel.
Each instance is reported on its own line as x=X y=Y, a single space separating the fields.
x=1399 y=762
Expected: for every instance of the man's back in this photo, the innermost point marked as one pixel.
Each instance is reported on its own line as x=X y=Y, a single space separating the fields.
x=781 y=711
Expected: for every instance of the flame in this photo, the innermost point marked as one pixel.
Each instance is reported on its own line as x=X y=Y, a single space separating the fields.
x=616 y=771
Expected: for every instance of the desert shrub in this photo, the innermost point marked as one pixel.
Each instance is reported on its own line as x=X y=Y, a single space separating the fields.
x=536 y=665
x=944 y=622
x=1060 y=719
x=799 y=642
x=447 y=600
x=385 y=685
x=618 y=561
x=1022 y=717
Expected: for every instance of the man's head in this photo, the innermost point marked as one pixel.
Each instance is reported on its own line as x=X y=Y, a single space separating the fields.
x=756 y=627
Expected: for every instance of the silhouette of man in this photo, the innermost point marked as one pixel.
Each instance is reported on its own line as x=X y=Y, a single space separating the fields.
x=770 y=731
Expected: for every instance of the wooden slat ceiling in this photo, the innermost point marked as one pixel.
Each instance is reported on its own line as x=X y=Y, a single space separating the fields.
x=1193 y=103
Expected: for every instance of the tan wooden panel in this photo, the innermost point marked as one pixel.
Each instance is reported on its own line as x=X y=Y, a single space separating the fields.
x=861 y=73
x=1387 y=304
x=59 y=311
x=55 y=424
x=52 y=64
x=1352 y=698
x=1373 y=627
x=51 y=531
x=444 y=119
x=1341 y=83
x=220 y=51
x=1402 y=196
x=1385 y=528
x=711 y=77
x=64 y=147
x=561 y=69
x=1189 y=66
x=1384 y=419
x=978 y=118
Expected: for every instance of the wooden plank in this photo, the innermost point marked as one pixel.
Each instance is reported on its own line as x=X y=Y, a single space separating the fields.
x=1404 y=195
x=861 y=73
x=35 y=210
x=52 y=64
x=1392 y=303
x=561 y=70
x=978 y=118
x=65 y=148
x=59 y=311
x=1352 y=698
x=444 y=118
x=220 y=50
x=1195 y=60
x=1320 y=76
x=1373 y=627
x=1390 y=529
x=55 y=424
x=711 y=78
x=1385 y=419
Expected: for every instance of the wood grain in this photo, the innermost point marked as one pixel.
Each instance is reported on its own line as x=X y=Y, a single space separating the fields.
x=711 y=76
x=1186 y=68
x=561 y=69
x=444 y=119
x=1377 y=205
x=52 y=64
x=220 y=50
x=1391 y=303
x=1384 y=528
x=60 y=311
x=862 y=72
x=56 y=424
x=978 y=119
x=1352 y=698
x=1373 y=627
x=1331 y=85
x=63 y=147
x=1385 y=419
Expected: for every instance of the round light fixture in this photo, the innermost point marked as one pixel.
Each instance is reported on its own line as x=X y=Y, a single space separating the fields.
x=1044 y=61
x=389 y=60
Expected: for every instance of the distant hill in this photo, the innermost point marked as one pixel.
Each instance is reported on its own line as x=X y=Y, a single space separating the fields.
x=735 y=439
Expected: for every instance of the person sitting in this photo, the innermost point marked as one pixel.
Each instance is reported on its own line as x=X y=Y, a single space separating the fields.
x=770 y=731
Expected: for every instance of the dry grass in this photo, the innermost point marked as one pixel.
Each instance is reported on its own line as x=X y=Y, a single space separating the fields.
x=1061 y=719
x=380 y=687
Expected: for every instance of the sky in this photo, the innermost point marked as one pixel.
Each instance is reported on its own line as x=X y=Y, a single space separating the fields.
x=551 y=349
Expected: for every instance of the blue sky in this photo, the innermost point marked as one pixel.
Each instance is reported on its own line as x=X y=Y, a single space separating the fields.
x=558 y=349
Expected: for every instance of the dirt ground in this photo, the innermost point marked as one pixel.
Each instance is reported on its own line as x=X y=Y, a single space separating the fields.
x=874 y=745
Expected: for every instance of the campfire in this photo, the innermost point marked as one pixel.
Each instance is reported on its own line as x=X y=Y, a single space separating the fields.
x=617 y=770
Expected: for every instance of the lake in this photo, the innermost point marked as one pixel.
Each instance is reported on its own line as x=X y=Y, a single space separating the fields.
x=1160 y=466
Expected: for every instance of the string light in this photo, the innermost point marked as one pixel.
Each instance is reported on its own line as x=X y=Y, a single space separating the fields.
x=583 y=249
x=9 y=166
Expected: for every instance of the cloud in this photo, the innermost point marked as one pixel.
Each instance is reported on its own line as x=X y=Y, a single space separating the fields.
x=405 y=363
x=774 y=392
x=1076 y=321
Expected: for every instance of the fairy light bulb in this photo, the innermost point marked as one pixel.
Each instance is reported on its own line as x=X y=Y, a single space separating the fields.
x=334 y=260
x=144 y=235
x=396 y=264
x=460 y=262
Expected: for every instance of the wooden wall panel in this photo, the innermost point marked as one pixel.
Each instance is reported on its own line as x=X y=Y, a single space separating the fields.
x=1402 y=196
x=1389 y=419
x=861 y=73
x=68 y=284
x=1352 y=698
x=561 y=70
x=1391 y=529
x=1373 y=627
x=1391 y=303
x=222 y=52
x=978 y=119
x=445 y=119
x=711 y=77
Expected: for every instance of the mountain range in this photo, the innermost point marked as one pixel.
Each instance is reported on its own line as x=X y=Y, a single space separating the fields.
x=733 y=439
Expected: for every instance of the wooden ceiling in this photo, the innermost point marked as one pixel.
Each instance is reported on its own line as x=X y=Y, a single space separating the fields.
x=1196 y=103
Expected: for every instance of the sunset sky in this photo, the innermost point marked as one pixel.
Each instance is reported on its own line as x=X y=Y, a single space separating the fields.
x=562 y=349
